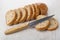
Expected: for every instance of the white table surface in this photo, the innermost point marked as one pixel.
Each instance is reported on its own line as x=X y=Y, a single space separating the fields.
x=29 y=34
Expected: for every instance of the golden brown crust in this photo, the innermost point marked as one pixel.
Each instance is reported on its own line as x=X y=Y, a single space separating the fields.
x=53 y=24
x=10 y=17
x=24 y=15
x=44 y=25
x=43 y=8
x=29 y=12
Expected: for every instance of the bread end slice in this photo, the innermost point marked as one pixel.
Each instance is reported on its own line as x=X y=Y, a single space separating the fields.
x=10 y=17
x=43 y=8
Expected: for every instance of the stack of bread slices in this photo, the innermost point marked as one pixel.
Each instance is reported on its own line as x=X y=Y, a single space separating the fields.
x=27 y=13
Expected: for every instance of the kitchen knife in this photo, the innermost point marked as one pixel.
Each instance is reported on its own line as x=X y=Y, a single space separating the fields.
x=26 y=25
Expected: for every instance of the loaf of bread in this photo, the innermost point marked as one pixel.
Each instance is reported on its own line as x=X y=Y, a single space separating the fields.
x=27 y=13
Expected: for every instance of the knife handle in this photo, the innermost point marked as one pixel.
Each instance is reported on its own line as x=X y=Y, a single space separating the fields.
x=16 y=29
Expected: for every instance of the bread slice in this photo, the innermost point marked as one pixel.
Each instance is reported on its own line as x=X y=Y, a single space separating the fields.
x=24 y=15
x=19 y=14
x=10 y=17
x=42 y=26
x=43 y=8
x=53 y=24
x=37 y=10
x=33 y=11
x=29 y=12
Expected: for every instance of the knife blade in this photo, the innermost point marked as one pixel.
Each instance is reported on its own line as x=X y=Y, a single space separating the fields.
x=40 y=20
x=19 y=28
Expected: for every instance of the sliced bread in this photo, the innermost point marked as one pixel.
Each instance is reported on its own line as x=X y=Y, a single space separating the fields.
x=53 y=24
x=37 y=10
x=19 y=15
x=43 y=8
x=24 y=15
x=33 y=11
x=42 y=26
x=29 y=12
x=10 y=17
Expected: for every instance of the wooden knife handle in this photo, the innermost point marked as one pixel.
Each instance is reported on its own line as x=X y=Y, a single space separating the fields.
x=16 y=29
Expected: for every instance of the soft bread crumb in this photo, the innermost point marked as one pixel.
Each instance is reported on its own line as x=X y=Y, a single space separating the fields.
x=42 y=26
x=53 y=24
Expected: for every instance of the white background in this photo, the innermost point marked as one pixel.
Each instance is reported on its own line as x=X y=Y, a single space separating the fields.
x=29 y=34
